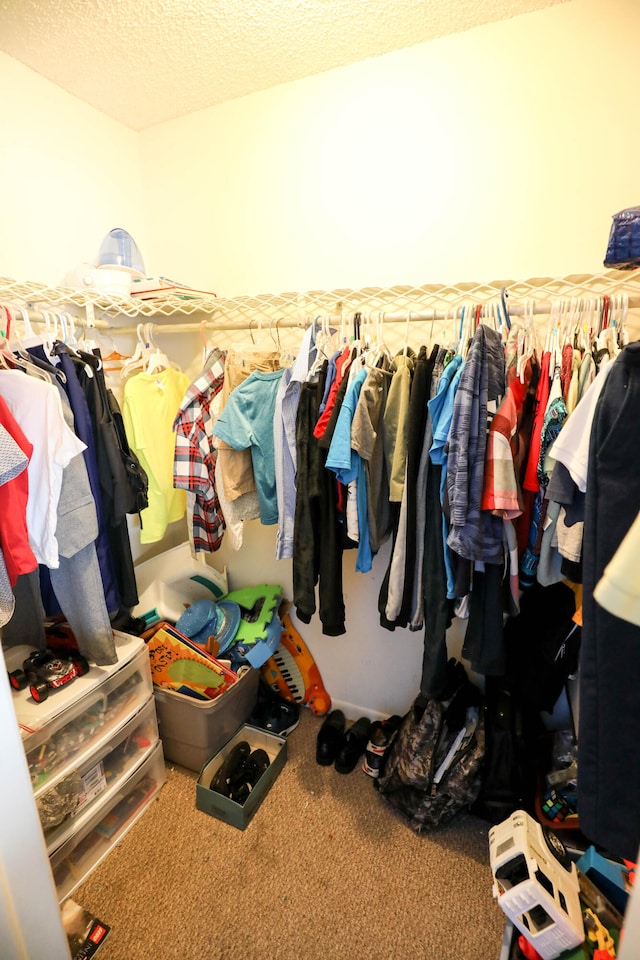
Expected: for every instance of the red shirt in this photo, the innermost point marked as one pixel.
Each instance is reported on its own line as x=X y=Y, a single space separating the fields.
x=14 y=538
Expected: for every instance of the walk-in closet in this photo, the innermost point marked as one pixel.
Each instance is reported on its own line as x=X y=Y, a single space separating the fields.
x=309 y=320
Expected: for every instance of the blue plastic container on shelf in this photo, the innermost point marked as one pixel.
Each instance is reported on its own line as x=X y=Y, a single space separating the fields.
x=119 y=249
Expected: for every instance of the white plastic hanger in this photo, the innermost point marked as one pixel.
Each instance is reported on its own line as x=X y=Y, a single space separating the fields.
x=136 y=360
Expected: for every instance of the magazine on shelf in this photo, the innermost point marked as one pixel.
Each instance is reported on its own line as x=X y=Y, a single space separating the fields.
x=158 y=288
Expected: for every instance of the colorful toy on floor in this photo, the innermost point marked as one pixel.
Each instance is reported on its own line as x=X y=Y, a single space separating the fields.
x=293 y=672
x=536 y=884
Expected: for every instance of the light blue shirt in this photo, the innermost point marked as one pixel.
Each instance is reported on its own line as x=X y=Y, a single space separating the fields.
x=247 y=422
x=441 y=408
x=341 y=458
x=441 y=412
x=349 y=465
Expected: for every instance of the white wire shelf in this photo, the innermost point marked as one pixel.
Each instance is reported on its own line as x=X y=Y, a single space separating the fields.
x=396 y=303
x=36 y=295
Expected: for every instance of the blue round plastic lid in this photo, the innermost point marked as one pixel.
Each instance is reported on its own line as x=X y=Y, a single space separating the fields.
x=204 y=618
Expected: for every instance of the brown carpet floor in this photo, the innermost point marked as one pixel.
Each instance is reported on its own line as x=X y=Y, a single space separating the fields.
x=324 y=871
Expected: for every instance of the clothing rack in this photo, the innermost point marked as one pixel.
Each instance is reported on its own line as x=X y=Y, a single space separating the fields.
x=399 y=304
x=407 y=316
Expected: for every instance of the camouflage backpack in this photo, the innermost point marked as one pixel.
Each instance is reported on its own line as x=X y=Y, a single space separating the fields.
x=432 y=770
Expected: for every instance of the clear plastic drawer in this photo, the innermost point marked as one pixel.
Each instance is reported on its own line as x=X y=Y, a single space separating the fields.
x=80 y=854
x=65 y=807
x=88 y=722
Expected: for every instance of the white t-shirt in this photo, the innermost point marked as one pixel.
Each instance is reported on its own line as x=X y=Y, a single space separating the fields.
x=619 y=590
x=572 y=444
x=37 y=408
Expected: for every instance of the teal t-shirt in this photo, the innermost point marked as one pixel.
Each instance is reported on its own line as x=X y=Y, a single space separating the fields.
x=247 y=422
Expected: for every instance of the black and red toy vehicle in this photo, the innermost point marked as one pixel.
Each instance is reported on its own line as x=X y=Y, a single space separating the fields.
x=45 y=670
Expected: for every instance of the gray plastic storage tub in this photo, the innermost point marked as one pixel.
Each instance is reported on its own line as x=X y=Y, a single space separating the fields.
x=193 y=730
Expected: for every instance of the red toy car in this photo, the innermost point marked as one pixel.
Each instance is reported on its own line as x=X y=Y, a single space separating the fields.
x=48 y=669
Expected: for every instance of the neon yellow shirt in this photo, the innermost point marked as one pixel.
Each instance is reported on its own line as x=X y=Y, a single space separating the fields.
x=150 y=405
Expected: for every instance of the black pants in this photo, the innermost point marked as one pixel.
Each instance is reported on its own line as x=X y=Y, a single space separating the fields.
x=317 y=533
x=608 y=742
x=437 y=609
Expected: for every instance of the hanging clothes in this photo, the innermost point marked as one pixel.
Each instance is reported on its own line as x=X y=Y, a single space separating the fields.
x=77 y=581
x=84 y=430
x=424 y=376
x=317 y=548
x=441 y=407
x=284 y=439
x=347 y=465
x=14 y=494
x=151 y=403
x=367 y=441
x=339 y=366
x=396 y=423
x=13 y=463
x=37 y=408
x=246 y=422
x=122 y=481
x=405 y=428
x=70 y=553
x=477 y=535
x=236 y=466
x=472 y=534
x=609 y=677
x=195 y=456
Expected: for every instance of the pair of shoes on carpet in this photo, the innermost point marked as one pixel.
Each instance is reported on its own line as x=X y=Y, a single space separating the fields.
x=240 y=771
x=340 y=745
x=273 y=714
x=380 y=737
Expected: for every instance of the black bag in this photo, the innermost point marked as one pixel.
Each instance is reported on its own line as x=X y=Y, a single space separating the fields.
x=512 y=736
x=137 y=479
x=432 y=769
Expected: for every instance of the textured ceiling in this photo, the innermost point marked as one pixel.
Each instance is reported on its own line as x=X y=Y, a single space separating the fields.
x=146 y=61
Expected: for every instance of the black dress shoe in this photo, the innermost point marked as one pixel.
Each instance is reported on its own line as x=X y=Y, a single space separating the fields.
x=231 y=768
x=330 y=737
x=353 y=745
x=253 y=768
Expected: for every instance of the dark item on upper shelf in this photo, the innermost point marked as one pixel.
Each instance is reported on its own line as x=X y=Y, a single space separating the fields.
x=623 y=247
x=45 y=670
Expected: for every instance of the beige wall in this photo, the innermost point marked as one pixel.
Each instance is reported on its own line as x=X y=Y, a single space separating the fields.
x=68 y=174
x=500 y=153
x=497 y=153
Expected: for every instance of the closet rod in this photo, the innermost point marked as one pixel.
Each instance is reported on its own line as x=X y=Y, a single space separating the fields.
x=255 y=325
x=37 y=316
x=517 y=310
x=423 y=315
x=419 y=316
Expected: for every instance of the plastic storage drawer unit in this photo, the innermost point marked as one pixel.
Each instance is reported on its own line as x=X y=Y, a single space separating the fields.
x=76 y=858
